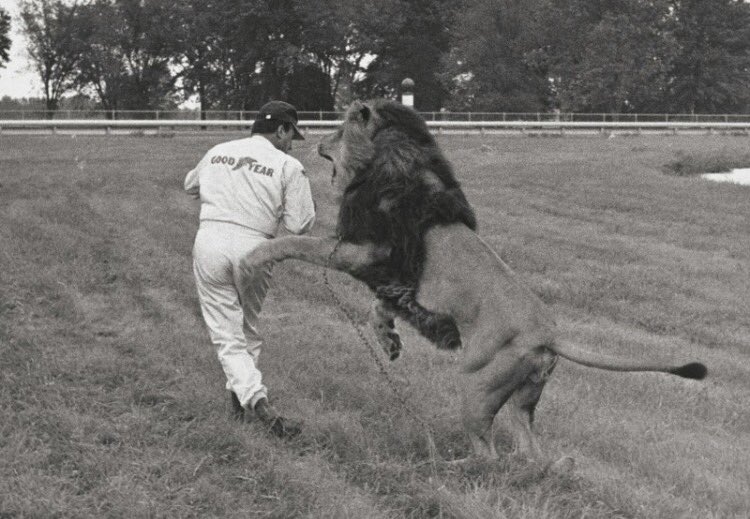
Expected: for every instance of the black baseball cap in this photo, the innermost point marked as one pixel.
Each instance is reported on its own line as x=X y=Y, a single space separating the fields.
x=282 y=112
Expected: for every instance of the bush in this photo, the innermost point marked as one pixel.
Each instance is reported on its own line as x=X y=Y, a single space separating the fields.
x=717 y=162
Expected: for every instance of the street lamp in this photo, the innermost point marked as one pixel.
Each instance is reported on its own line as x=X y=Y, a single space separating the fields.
x=407 y=92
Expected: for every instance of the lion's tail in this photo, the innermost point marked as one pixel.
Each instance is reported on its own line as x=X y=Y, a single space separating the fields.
x=694 y=370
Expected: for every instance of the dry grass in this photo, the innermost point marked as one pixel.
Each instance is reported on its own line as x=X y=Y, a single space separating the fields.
x=112 y=401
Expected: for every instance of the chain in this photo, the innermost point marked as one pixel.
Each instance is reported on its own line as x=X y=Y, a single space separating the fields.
x=410 y=410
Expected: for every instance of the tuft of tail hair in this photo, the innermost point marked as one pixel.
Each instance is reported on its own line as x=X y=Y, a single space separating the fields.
x=694 y=370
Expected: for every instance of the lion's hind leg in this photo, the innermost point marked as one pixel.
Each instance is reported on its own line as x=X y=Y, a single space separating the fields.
x=493 y=369
x=525 y=399
x=522 y=406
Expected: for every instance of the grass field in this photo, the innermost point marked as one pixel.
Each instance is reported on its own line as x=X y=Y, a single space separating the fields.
x=112 y=401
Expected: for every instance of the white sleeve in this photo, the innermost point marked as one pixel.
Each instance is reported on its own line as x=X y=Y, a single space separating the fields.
x=299 y=208
x=192 y=184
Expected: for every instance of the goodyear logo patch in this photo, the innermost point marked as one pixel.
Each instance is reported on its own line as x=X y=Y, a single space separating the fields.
x=253 y=165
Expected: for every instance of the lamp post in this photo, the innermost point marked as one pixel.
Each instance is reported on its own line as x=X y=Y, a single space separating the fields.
x=407 y=92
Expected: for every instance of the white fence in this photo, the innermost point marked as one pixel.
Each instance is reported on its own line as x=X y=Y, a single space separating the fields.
x=32 y=113
x=311 y=125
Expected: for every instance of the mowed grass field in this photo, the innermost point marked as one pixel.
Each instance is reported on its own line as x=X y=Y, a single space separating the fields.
x=112 y=402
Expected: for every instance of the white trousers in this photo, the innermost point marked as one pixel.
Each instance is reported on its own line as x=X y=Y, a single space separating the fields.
x=230 y=303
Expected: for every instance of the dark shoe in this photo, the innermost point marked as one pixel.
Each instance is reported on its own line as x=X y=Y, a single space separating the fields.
x=278 y=425
x=238 y=412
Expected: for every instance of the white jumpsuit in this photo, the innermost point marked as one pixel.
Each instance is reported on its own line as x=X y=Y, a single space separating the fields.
x=246 y=187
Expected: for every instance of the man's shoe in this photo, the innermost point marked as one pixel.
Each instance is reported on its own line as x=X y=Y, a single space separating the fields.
x=238 y=412
x=278 y=425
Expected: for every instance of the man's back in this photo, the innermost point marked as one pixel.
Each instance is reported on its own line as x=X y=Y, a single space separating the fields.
x=250 y=182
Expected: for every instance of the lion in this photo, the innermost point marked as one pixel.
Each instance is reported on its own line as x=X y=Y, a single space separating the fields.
x=407 y=231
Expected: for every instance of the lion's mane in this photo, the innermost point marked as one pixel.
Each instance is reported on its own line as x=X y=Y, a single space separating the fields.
x=392 y=200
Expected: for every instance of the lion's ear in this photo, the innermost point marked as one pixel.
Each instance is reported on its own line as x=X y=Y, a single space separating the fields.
x=364 y=113
x=359 y=112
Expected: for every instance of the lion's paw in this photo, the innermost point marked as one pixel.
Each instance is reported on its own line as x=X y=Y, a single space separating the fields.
x=258 y=256
x=388 y=338
x=565 y=465
x=393 y=345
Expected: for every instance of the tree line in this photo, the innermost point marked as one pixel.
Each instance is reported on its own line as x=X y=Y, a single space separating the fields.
x=670 y=56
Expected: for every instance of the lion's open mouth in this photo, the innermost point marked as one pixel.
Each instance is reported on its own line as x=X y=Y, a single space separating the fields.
x=333 y=164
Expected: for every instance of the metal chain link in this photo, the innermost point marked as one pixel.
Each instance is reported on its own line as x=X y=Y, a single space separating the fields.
x=410 y=410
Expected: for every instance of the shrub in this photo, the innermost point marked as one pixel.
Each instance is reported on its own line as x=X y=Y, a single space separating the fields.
x=717 y=162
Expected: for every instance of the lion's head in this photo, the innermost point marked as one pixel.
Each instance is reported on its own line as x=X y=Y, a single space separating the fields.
x=383 y=137
x=394 y=181
x=350 y=147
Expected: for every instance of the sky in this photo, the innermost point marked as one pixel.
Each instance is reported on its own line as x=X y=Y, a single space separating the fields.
x=16 y=78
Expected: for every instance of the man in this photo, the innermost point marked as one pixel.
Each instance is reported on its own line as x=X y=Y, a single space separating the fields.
x=247 y=187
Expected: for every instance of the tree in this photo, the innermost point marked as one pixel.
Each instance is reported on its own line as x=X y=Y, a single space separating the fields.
x=411 y=38
x=199 y=45
x=340 y=35
x=237 y=54
x=4 y=39
x=711 y=71
x=612 y=56
x=128 y=52
x=497 y=60
x=309 y=88
x=55 y=37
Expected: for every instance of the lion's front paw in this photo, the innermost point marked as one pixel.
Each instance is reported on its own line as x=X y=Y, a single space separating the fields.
x=384 y=326
x=258 y=258
x=388 y=338
x=392 y=345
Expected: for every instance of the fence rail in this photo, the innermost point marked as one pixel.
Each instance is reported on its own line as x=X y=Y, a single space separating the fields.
x=120 y=125
x=235 y=115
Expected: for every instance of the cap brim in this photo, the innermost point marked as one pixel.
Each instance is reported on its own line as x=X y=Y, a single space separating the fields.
x=297 y=135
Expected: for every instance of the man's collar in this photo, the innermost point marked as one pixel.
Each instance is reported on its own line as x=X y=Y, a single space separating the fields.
x=262 y=141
